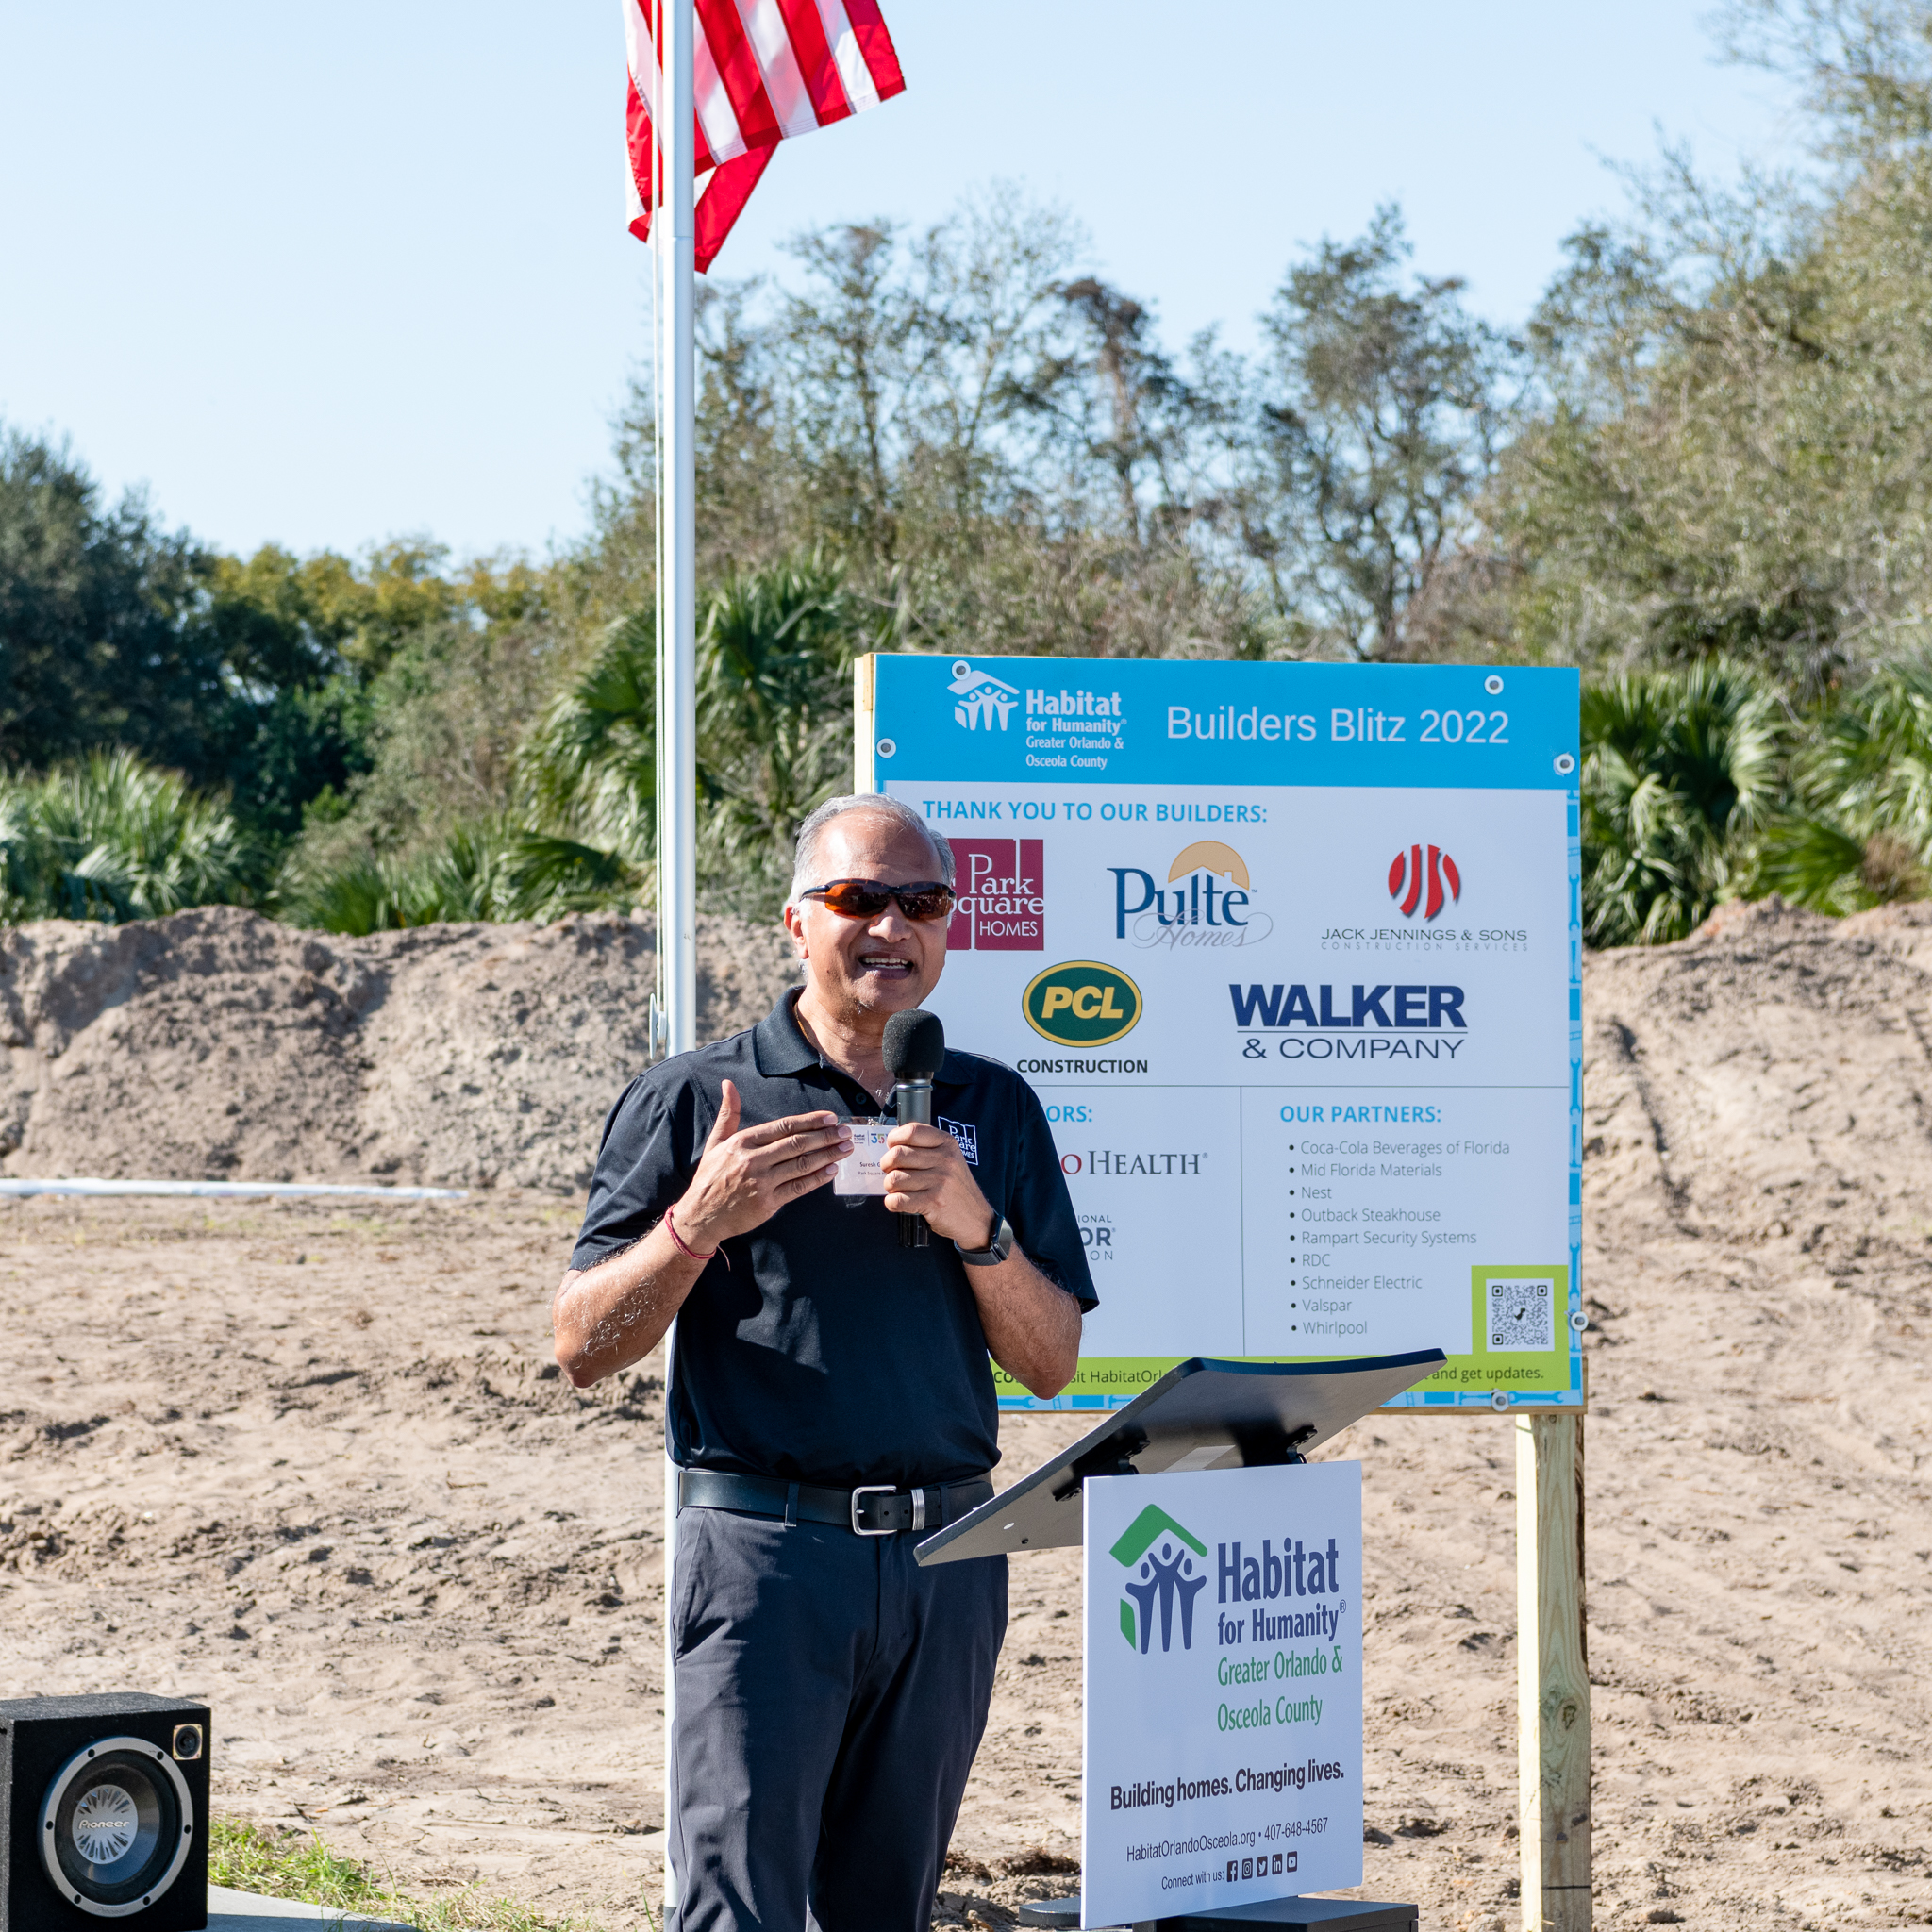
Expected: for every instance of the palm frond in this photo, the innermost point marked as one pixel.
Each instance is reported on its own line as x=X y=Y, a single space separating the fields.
x=1680 y=767
x=775 y=653
x=114 y=838
x=1813 y=864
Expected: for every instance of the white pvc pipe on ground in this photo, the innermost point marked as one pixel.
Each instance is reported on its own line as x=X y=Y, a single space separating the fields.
x=231 y=1190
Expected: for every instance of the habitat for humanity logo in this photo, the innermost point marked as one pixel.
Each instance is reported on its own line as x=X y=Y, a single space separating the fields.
x=1166 y=1577
x=1211 y=903
x=979 y=697
x=1409 y=876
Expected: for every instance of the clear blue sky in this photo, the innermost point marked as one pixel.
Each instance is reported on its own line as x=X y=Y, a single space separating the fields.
x=323 y=276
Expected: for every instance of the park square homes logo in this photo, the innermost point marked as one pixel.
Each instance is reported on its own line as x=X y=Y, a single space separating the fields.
x=1001 y=906
x=1161 y=1578
x=979 y=698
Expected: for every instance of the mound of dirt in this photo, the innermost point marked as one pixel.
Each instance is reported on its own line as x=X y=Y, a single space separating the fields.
x=1754 y=1081
x=220 y=1045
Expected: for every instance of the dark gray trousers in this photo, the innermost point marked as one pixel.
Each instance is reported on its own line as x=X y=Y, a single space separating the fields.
x=830 y=1697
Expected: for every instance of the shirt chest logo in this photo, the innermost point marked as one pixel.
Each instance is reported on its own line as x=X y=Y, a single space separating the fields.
x=966 y=1133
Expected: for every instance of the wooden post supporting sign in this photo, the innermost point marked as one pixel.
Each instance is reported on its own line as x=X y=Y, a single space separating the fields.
x=1552 y=1673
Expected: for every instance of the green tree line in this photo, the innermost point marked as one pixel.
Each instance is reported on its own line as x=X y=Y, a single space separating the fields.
x=1700 y=472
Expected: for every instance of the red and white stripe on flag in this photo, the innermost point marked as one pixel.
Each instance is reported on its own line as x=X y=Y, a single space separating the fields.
x=763 y=70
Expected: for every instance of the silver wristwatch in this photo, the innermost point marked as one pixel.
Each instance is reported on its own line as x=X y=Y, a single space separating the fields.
x=996 y=1250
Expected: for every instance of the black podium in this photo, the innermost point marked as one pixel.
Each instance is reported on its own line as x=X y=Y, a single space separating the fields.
x=1200 y=1415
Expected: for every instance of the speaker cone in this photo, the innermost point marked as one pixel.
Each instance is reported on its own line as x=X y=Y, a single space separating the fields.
x=115 y=1826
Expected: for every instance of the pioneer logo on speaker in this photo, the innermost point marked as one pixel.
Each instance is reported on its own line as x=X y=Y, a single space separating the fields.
x=106 y=1813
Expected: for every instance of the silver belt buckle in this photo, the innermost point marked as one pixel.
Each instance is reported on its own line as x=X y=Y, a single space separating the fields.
x=870 y=1489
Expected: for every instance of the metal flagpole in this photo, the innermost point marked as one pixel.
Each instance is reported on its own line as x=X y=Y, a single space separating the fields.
x=677 y=641
x=676 y=841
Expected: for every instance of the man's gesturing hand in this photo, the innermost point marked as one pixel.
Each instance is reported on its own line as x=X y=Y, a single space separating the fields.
x=926 y=1173
x=744 y=1177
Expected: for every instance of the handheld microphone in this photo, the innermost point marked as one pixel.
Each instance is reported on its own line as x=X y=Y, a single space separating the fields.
x=914 y=1046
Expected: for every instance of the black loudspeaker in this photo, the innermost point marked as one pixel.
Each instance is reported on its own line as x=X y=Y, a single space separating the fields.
x=104 y=1804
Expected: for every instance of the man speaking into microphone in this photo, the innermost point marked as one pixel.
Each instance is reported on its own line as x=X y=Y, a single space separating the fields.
x=830 y=1399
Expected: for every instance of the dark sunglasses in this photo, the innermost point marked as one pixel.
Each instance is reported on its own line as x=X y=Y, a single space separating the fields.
x=867 y=898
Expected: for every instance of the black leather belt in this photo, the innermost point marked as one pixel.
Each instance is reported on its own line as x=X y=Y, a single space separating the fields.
x=873 y=1509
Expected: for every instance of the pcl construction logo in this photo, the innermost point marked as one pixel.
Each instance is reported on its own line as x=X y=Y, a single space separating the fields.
x=1421 y=878
x=1154 y=1550
x=1081 y=1003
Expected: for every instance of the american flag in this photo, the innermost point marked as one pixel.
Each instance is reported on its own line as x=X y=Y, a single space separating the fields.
x=763 y=70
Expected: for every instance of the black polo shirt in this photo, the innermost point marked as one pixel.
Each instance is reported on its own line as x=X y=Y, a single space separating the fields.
x=826 y=1353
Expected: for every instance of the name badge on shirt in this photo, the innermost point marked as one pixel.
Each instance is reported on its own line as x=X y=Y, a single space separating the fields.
x=858 y=1172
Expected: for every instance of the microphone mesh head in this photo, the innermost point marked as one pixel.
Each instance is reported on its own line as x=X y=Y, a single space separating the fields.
x=915 y=1045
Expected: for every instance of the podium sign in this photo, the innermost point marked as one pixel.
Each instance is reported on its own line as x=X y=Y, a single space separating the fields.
x=1291 y=955
x=1224 y=1690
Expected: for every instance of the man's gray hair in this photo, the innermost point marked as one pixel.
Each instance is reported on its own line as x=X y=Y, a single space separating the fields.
x=805 y=873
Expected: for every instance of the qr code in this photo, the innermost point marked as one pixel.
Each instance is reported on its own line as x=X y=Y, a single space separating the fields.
x=1523 y=1316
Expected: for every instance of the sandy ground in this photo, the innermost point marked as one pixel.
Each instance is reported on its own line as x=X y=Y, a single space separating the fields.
x=316 y=1465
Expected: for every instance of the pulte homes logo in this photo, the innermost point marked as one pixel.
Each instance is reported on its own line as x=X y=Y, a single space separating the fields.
x=1210 y=906
x=1163 y=1578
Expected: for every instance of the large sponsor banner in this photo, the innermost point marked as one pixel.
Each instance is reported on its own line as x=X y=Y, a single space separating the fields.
x=1224 y=1690
x=1291 y=955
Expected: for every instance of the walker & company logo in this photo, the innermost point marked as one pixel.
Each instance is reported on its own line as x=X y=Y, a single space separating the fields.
x=1002 y=903
x=1081 y=1003
x=1166 y=1578
x=1210 y=906
x=1407 y=874
x=980 y=697
x=1356 y=1022
x=1428 y=1009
